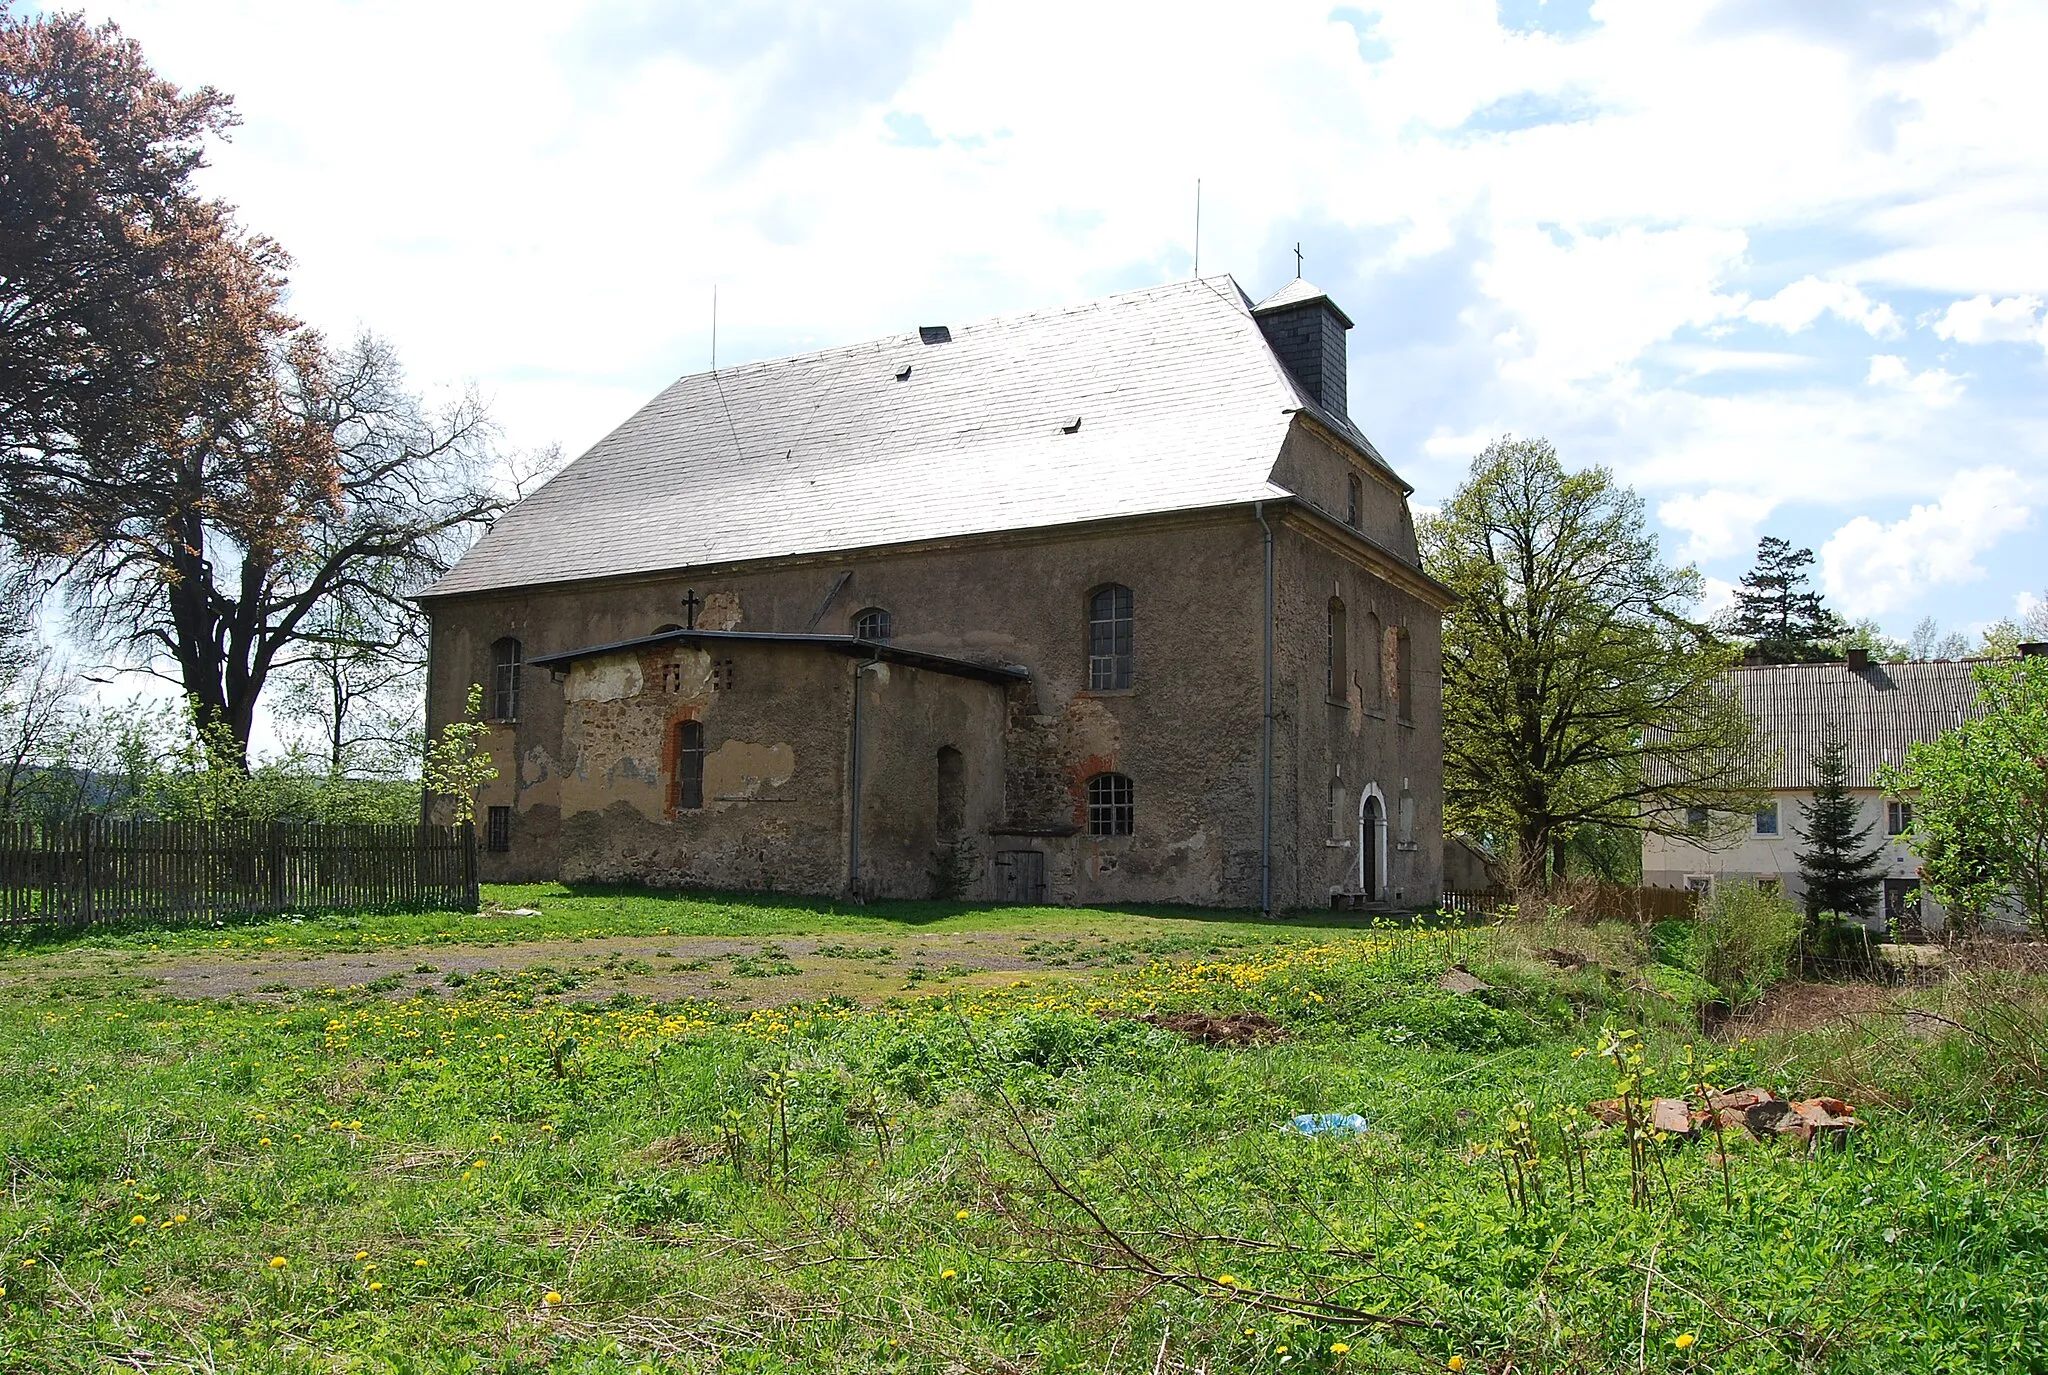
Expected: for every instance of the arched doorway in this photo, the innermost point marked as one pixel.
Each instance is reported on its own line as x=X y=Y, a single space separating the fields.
x=1372 y=842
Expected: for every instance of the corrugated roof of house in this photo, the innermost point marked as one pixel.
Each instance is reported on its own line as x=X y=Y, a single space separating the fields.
x=1180 y=402
x=1879 y=711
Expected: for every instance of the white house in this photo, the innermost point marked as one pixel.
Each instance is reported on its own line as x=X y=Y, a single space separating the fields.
x=1877 y=710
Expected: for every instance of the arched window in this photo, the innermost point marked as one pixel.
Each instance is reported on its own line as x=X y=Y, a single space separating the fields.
x=1375 y=681
x=1109 y=639
x=1112 y=805
x=873 y=624
x=689 y=765
x=952 y=814
x=1404 y=675
x=1354 y=501
x=1337 y=655
x=505 y=680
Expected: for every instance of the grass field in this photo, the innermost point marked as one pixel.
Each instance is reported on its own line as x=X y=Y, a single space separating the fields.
x=535 y=1164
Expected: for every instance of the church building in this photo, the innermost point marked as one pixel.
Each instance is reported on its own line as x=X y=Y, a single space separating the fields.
x=1108 y=604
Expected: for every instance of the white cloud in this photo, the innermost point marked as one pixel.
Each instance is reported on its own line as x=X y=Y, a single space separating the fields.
x=1935 y=386
x=1718 y=522
x=1806 y=300
x=1869 y=568
x=1981 y=320
x=1716 y=596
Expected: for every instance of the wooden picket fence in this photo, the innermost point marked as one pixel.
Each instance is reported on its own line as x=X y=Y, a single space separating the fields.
x=97 y=872
x=1585 y=901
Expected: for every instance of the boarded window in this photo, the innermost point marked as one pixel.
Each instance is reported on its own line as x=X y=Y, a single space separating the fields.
x=498 y=829
x=689 y=765
x=1337 y=655
x=1109 y=639
x=505 y=680
x=1112 y=805
x=1340 y=815
x=873 y=624
x=1354 y=501
x=1375 y=671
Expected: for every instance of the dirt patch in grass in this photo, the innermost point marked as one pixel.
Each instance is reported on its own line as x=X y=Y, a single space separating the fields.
x=1217 y=1028
x=1794 y=1006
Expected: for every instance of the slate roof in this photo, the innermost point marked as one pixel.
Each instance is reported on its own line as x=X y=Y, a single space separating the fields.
x=1181 y=403
x=1299 y=292
x=1878 y=710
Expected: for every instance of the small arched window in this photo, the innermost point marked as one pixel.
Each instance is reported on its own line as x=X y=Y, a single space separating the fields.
x=1109 y=639
x=689 y=765
x=873 y=624
x=505 y=657
x=1112 y=805
x=1337 y=655
x=1354 y=501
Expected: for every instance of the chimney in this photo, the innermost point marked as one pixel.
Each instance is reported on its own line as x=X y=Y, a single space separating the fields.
x=1859 y=660
x=1305 y=330
x=2034 y=649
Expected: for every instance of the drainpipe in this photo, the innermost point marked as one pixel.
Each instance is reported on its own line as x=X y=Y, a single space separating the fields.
x=1266 y=746
x=853 y=804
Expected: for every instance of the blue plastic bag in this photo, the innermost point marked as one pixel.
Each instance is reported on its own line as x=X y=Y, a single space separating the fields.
x=1328 y=1124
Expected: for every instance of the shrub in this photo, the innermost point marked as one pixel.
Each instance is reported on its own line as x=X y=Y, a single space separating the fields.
x=1743 y=941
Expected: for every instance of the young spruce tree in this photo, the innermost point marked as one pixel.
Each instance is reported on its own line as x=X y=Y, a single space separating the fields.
x=1842 y=869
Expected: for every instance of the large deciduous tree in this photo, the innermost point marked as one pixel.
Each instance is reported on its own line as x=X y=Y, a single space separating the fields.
x=1980 y=798
x=212 y=486
x=1578 y=693
x=1779 y=613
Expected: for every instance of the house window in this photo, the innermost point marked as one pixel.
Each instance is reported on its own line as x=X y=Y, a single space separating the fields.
x=1337 y=655
x=873 y=624
x=1898 y=818
x=1112 y=808
x=1768 y=886
x=689 y=765
x=505 y=680
x=1696 y=818
x=1767 y=820
x=1699 y=884
x=1354 y=500
x=1404 y=674
x=498 y=830
x=1109 y=639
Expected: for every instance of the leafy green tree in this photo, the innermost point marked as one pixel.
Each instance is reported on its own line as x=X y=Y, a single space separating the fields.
x=1980 y=798
x=1840 y=866
x=1579 y=696
x=457 y=763
x=1777 y=610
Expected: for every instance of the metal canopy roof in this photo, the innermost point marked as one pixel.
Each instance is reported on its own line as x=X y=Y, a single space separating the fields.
x=851 y=646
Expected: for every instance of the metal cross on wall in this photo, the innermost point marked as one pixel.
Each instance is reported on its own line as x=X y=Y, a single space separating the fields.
x=691 y=601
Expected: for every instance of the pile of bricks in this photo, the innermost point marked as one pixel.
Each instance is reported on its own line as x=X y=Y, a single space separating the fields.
x=1763 y=1114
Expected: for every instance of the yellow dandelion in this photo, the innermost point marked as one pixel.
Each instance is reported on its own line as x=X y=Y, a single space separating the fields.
x=551 y=1298
x=1339 y=1348
x=478 y=1166
x=375 y=1285
x=961 y=1216
x=1226 y=1280
x=949 y=1274
x=278 y=1262
x=137 y=1220
x=1455 y=1363
x=1684 y=1340
x=362 y=1255
x=421 y=1264
x=179 y=1218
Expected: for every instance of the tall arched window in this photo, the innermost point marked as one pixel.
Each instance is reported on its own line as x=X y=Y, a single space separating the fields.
x=1375 y=681
x=1109 y=639
x=1404 y=675
x=1354 y=501
x=873 y=624
x=689 y=765
x=505 y=680
x=952 y=813
x=1337 y=655
x=1112 y=805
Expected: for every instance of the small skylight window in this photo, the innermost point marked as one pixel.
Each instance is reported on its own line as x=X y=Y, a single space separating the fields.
x=935 y=334
x=903 y=373
x=1072 y=426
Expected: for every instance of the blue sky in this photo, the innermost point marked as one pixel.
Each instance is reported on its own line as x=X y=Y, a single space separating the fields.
x=1779 y=265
